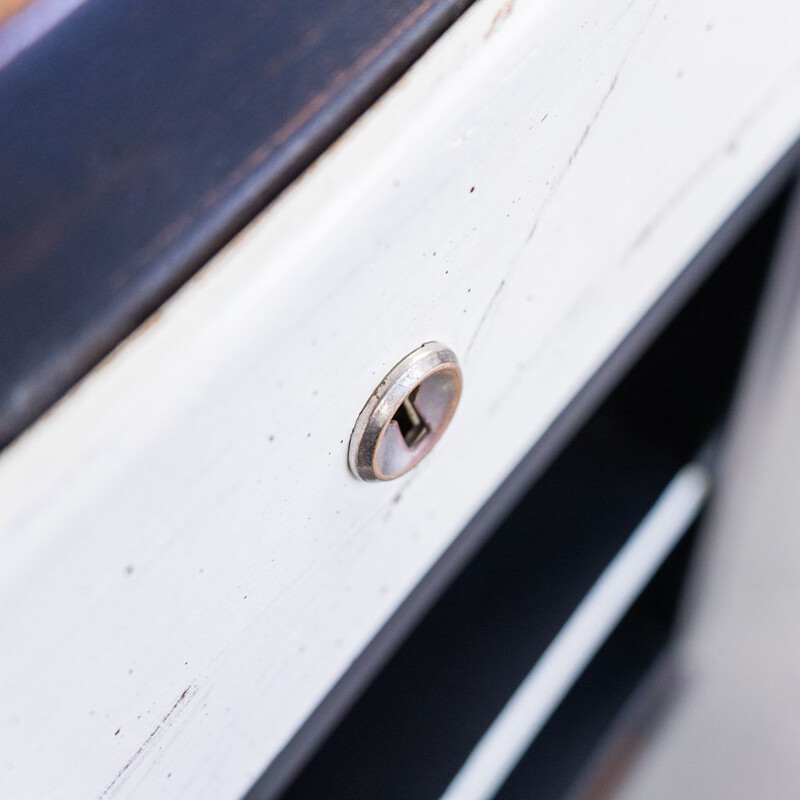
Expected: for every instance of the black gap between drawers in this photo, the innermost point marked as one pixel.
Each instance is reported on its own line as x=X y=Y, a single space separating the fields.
x=552 y=766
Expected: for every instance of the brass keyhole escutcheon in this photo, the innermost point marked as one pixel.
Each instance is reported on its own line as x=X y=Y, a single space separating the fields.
x=406 y=415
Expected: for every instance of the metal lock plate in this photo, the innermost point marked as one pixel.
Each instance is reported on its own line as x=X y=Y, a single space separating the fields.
x=406 y=414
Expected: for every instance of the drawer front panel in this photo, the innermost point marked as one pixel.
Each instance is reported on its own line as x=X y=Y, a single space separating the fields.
x=183 y=545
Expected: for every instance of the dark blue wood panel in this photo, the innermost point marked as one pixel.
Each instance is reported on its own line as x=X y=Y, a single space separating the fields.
x=137 y=137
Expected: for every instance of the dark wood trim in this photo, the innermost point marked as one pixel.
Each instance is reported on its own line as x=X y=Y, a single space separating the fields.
x=137 y=138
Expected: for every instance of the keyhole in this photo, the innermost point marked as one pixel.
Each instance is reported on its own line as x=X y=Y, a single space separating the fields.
x=411 y=424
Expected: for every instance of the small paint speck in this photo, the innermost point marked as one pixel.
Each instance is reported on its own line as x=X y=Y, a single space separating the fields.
x=116 y=732
x=308 y=436
x=472 y=190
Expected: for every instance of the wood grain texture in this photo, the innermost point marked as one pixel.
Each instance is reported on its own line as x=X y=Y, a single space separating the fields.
x=138 y=137
x=188 y=567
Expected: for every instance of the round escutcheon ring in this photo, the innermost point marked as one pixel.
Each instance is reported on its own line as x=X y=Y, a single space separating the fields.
x=406 y=415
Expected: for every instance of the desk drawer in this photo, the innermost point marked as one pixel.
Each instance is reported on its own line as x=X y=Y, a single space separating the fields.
x=188 y=565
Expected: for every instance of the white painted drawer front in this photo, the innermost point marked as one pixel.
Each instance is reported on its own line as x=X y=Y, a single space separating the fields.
x=187 y=565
